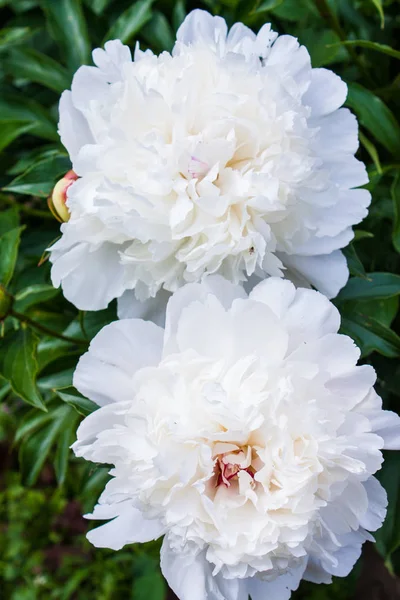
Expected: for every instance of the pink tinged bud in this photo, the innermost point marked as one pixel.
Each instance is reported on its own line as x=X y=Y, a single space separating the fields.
x=58 y=197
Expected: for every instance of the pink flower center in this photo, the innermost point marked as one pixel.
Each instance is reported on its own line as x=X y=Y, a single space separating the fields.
x=230 y=463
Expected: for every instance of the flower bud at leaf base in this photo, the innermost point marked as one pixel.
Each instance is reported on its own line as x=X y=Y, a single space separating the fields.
x=6 y=301
x=57 y=200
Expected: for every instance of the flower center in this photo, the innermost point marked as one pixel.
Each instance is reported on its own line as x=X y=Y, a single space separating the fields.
x=230 y=461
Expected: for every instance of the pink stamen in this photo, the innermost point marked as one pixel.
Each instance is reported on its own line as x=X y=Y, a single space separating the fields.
x=228 y=471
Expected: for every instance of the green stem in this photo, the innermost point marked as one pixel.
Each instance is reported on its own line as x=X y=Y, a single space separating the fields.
x=34 y=212
x=44 y=329
x=326 y=13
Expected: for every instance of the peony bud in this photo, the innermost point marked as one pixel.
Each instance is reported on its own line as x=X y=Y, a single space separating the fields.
x=58 y=197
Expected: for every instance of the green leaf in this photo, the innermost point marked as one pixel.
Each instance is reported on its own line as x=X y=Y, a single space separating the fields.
x=51 y=349
x=375 y=116
x=148 y=583
x=266 y=6
x=355 y=265
x=57 y=380
x=63 y=451
x=131 y=21
x=384 y=311
x=68 y=27
x=395 y=192
x=379 y=8
x=34 y=66
x=11 y=130
x=320 y=44
x=158 y=33
x=19 y=366
x=35 y=449
x=372 y=151
x=374 y=286
x=41 y=177
x=9 y=219
x=93 y=484
x=10 y=235
x=360 y=234
x=4 y=388
x=9 y=244
x=296 y=10
x=16 y=107
x=383 y=48
x=72 y=397
x=178 y=14
x=370 y=335
x=34 y=294
x=388 y=537
x=98 y=6
x=12 y=36
x=31 y=422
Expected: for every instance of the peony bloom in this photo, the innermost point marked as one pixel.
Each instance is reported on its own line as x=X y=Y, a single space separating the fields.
x=230 y=156
x=244 y=432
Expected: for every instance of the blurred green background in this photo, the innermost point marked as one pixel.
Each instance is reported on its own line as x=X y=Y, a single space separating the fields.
x=43 y=489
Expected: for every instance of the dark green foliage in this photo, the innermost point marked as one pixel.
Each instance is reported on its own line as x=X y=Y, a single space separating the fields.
x=43 y=489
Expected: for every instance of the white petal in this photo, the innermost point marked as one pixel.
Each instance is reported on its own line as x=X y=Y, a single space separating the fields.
x=257 y=331
x=325 y=244
x=189 y=575
x=292 y=60
x=90 y=279
x=377 y=504
x=354 y=385
x=111 y=60
x=88 y=84
x=200 y=26
x=152 y=309
x=276 y=293
x=309 y=317
x=386 y=424
x=205 y=328
x=280 y=588
x=185 y=573
x=328 y=272
x=327 y=92
x=315 y=573
x=348 y=172
x=335 y=353
x=341 y=129
x=347 y=556
x=225 y=291
x=105 y=375
x=72 y=127
x=128 y=527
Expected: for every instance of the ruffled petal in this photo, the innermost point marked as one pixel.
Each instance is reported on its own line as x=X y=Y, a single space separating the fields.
x=225 y=291
x=90 y=278
x=73 y=128
x=201 y=26
x=106 y=377
x=190 y=577
x=327 y=92
x=152 y=309
x=328 y=273
x=127 y=527
x=280 y=588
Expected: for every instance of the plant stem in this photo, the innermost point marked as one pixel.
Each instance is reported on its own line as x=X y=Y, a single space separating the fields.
x=44 y=329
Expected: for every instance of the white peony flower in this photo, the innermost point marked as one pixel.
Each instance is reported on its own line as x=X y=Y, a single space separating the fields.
x=244 y=432
x=230 y=156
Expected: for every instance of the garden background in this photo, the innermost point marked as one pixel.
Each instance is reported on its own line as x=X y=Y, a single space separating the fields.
x=43 y=489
